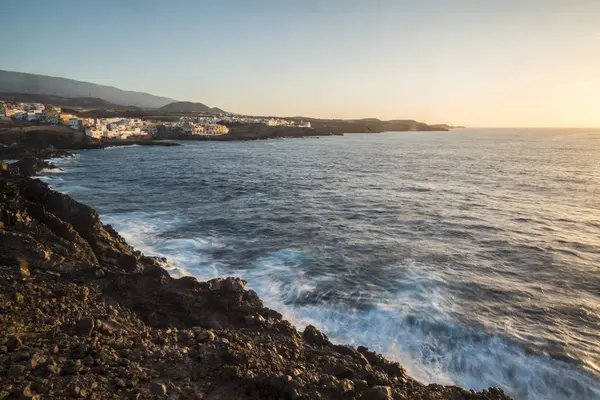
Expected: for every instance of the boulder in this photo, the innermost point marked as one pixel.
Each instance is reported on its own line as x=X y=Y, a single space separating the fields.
x=13 y=343
x=158 y=389
x=84 y=326
x=313 y=336
x=378 y=393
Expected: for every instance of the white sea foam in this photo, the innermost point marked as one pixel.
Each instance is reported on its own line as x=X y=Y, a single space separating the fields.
x=417 y=328
x=121 y=147
x=422 y=335
x=52 y=171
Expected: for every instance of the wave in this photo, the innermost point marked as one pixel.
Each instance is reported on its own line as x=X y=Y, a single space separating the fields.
x=415 y=325
x=121 y=147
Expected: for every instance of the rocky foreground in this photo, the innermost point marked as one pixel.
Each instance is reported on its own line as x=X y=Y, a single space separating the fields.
x=84 y=315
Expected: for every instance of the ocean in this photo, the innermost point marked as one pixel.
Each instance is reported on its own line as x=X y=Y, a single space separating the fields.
x=472 y=257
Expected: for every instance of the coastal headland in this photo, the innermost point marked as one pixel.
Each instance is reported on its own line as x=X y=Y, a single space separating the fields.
x=85 y=315
x=94 y=123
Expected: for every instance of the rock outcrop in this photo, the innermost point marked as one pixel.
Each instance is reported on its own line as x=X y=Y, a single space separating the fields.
x=84 y=315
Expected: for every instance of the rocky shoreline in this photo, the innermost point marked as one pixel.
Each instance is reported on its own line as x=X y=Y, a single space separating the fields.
x=84 y=315
x=44 y=143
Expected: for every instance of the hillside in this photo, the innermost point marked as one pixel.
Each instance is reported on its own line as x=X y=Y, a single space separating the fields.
x=188 y=107
x=76 y=102
x=19 y=82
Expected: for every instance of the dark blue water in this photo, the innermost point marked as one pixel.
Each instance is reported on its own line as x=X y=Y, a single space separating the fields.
x=472 y=256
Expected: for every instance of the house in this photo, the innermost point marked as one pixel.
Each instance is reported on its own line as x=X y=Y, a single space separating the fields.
x=152 y=130
x=198 y=130
x=304 y=124
x=11 y=112
x=76 y=124
x=96 y=134
x=33 y=116
x=65 y=118
x=214 y=129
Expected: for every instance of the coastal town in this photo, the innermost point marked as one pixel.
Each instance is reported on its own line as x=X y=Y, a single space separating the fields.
x=125 y=128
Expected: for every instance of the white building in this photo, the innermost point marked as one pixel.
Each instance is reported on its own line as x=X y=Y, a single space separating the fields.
x=75 y=123
x=304 y=124
x=96 y=134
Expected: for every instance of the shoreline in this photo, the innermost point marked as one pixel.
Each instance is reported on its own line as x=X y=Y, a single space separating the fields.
x=131 y=330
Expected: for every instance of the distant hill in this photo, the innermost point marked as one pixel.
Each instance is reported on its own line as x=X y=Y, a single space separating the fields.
x=19 y=82
x=448 y=127
x=368 y=125
x=186 y=107
x=75 y=102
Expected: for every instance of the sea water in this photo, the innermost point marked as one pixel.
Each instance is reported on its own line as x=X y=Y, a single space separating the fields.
x=471 y=256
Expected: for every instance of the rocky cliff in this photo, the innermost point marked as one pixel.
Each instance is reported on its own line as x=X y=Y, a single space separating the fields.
x=84 y=315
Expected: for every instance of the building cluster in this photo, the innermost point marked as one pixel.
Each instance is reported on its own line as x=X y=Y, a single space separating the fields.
x=39 y=113
x=265 y=121
x=124 y=128
x=109 y=128
x=116 y=128
x=34 y=112
x=206 y=126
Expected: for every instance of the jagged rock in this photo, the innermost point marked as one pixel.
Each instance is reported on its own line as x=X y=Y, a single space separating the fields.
x=16 y=370
x=109 y=327
x=206 y=336
x=346 y=385
x=35 y=360
x=130 y=264
x=378 y=393
x=339 y=370
x=84 y=326
x=79 y=351
x=313 y=336
x=13 y=343
x=254 y=320
x=268 y=313
x=72 y=367
x=158 y=389
x=52 y=369
x=227 y=284
x=25 y=393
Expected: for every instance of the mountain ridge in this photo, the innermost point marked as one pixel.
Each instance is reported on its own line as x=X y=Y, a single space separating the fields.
x=189 y=107
x=77 y=102
x=23 y=82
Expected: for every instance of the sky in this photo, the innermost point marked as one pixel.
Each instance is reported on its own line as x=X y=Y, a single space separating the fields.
x=515 y=63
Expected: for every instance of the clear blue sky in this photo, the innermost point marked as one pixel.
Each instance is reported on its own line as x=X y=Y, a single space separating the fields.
x=474 y=62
